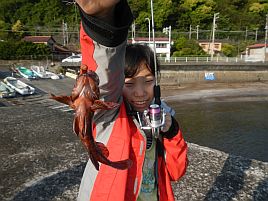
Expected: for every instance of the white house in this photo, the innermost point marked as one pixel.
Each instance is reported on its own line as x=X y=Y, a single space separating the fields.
x=257 y=52
x=163 y=45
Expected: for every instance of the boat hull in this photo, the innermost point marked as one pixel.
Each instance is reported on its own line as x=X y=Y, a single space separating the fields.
x=26 y=73
x=19 y=86
x=42 y=73
x=6 y=91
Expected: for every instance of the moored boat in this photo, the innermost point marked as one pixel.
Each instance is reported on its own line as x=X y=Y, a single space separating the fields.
x=42 y=73
x=26 y=73
x=19 y=86
x=6 y=91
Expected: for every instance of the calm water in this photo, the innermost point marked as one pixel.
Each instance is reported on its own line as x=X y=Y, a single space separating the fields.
x=240 y=128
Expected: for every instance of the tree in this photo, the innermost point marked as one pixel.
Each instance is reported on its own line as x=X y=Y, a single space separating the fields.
x=185 y=47
x=17 y=29
x=3 y=30
x=229 y=50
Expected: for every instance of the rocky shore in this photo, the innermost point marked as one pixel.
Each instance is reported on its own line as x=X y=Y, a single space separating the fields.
x=41 y=159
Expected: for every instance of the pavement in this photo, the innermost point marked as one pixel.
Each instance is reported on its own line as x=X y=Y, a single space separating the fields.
x=42 y=159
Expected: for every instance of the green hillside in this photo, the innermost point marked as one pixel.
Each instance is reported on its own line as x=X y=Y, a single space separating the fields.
x=239 y=20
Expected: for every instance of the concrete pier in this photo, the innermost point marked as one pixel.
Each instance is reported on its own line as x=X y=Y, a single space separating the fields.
x=41 y=159
x=214 y=175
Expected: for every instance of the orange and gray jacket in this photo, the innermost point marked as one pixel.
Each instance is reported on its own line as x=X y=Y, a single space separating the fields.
x=103 y=50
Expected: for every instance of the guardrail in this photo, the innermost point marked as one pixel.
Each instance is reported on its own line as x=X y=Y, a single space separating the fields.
x=178 y=60
x=190 y=60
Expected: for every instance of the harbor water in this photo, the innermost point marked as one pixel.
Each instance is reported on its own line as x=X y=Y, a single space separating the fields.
x=239 y=128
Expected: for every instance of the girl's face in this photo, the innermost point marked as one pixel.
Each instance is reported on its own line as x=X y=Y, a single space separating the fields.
x=139 y=90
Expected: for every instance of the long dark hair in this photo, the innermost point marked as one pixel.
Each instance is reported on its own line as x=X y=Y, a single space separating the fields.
x=135 y=54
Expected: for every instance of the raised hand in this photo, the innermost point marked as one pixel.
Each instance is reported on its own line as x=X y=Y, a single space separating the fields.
x=99 y=8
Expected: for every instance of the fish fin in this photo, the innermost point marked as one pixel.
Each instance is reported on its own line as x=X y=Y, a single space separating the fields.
x=98 y=104
x=94 y=162
x=122 y=165
x=103 y=149
x=79 y=125
x=76 y=125
x=63 y=99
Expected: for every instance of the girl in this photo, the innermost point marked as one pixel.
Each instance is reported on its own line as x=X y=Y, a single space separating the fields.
x=156 y=162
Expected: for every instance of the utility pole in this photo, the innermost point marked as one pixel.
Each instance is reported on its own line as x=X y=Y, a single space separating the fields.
x=167 y=30
x=190 y=32
x=216 y=16
x=256 y=35
x=133 y=32
x=246 y=35
x=197 y=32
x=169 y=41
x=265 y=42
x=63 y=32
x=149 y=29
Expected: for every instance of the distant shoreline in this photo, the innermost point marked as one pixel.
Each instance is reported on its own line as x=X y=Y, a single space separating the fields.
x=212 y=91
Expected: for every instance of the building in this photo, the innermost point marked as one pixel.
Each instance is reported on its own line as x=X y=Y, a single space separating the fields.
x=257 y=52
x=163 y=45
x=57 y=50
x=208 y=47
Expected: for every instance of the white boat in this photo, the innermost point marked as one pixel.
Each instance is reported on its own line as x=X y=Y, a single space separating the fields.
x=42 y=73
x=6 y=91
x=19 y=86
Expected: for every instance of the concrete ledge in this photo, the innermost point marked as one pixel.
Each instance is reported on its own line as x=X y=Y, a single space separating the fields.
x=178 y=77
x=214 y=175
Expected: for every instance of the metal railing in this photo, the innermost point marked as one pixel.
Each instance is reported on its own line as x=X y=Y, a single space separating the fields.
x=208 y=59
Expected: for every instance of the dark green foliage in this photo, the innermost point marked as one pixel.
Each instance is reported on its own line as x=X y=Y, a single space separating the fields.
x=229 y=50
x=185 y=47
x=11 y=50
x=7 y=50
x=43 y=17
x=234 y=14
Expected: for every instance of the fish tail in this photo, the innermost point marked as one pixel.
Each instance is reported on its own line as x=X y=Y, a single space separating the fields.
x=94 y=161
x=101 y=155
x=103 y=149
x=76 y=128
x=121 y=165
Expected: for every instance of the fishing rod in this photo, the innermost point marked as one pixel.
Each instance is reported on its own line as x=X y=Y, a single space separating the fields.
x=155 y=115
x=157 y=92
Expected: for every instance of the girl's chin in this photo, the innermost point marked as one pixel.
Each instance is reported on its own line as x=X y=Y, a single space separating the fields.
x=140 y=108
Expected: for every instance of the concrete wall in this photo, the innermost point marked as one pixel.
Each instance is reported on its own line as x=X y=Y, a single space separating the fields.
x=169 y=77
x=173 y=74
x=26 y=63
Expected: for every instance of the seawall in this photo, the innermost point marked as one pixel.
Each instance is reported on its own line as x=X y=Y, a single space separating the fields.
x=177 y=77
x=173 y=74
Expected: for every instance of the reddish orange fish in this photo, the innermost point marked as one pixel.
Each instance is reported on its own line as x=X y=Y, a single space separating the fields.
x=85 y=101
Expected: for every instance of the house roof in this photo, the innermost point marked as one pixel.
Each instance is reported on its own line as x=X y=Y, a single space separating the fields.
x=40 y=39
x=60 y=48
x=259 y=45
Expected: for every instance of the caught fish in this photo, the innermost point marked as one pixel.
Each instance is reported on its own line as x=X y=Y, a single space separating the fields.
x=85 y=101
